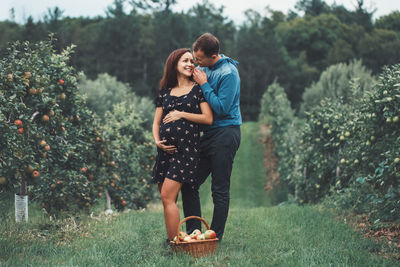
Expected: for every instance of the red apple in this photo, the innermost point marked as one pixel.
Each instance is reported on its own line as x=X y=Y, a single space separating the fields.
x=210 y=234
x=18 y=123
x=61 y=81
x=45 y=118
x=35 y=174
x=182 y=235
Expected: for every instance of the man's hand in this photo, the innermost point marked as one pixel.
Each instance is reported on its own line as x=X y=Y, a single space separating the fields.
x=168 y=149
x=173 y=116
x=199 y=76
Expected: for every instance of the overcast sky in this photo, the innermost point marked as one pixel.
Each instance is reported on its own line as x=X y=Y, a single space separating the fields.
x=233 y=8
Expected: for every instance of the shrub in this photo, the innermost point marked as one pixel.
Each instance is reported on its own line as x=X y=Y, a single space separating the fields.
x=276 y=111
x=105 y=92
x=134 y=155
x=322 y=140
x=376 y=146
x=336 y=83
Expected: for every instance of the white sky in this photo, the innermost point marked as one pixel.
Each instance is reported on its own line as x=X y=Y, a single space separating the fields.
x=234 y=9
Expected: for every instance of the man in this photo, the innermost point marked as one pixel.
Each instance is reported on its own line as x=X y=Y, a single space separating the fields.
x=220 y=83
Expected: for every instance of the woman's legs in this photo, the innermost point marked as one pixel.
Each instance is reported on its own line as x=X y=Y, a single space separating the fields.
x=169 y=193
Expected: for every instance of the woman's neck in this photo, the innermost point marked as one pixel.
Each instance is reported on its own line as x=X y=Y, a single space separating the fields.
x=184 y=81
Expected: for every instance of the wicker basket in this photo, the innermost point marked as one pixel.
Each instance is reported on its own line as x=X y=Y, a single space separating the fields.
x=195 y=248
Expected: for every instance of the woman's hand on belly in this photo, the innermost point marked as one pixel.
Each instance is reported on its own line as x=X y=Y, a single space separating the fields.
x=174 y=115
x=169 y=149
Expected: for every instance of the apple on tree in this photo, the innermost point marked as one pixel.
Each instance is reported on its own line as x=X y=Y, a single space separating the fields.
x=18 y=123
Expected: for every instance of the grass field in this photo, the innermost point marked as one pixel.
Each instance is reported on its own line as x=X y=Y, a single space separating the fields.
x=257 y=234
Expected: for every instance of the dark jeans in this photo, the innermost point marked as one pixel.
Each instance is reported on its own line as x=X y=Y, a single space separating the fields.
x=217 y=150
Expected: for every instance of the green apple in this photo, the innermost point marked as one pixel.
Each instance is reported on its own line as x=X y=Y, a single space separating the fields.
x=201 y=237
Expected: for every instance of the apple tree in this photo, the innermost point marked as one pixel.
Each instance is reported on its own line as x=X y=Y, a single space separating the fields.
x=47 y=128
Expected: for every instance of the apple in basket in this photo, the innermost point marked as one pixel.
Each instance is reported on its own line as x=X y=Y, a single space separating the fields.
x=187 y=239
x=210 y=234
x=182 y=235
x=201 y=237
x=195 y=233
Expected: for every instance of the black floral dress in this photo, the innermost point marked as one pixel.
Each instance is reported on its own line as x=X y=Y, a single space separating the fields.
x=180 y=166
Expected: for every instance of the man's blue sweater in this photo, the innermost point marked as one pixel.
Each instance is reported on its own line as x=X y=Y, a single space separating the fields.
x=222 y=92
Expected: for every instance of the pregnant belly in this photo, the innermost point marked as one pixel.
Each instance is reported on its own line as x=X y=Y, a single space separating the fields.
x=172 y=132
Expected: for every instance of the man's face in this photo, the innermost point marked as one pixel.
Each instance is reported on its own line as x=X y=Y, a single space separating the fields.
x=202 y=60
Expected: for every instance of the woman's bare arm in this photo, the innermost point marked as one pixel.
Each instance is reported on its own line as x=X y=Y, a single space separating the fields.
x=206 y=116
x=156 y=132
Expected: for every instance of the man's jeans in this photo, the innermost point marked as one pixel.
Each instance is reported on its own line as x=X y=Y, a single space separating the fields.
x=217 y=150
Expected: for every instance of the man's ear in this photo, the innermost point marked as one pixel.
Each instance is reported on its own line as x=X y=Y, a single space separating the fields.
x=214 y=57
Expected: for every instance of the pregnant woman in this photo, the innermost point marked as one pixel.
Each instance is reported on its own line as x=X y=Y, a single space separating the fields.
x=180 y=108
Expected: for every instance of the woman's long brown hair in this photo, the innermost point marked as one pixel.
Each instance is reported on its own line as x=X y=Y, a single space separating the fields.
x=170 y=76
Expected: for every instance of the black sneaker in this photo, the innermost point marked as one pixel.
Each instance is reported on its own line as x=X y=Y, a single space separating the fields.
x=167 y=243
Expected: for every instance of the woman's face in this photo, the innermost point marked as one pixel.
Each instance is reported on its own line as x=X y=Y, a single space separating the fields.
x=185 y=65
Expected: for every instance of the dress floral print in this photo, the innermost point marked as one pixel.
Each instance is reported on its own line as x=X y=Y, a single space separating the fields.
x=180 y=166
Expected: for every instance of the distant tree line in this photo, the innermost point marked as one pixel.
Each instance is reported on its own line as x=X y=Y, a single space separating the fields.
x=292 y=49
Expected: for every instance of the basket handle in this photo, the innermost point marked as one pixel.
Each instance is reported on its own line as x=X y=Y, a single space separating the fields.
x=184 y=220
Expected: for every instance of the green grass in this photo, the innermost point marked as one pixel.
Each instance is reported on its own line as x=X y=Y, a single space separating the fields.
x=256 y=233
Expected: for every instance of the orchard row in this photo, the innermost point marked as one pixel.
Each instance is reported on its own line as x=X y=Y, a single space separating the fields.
x=348 y=152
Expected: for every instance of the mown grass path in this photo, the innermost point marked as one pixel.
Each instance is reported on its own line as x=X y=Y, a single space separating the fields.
x=256 y=234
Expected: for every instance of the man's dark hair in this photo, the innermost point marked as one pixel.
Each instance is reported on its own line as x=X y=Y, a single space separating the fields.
x=207 y=43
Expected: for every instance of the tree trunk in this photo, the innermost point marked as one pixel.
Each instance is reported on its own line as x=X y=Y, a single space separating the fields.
x=22 y=190
x=108 y=200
